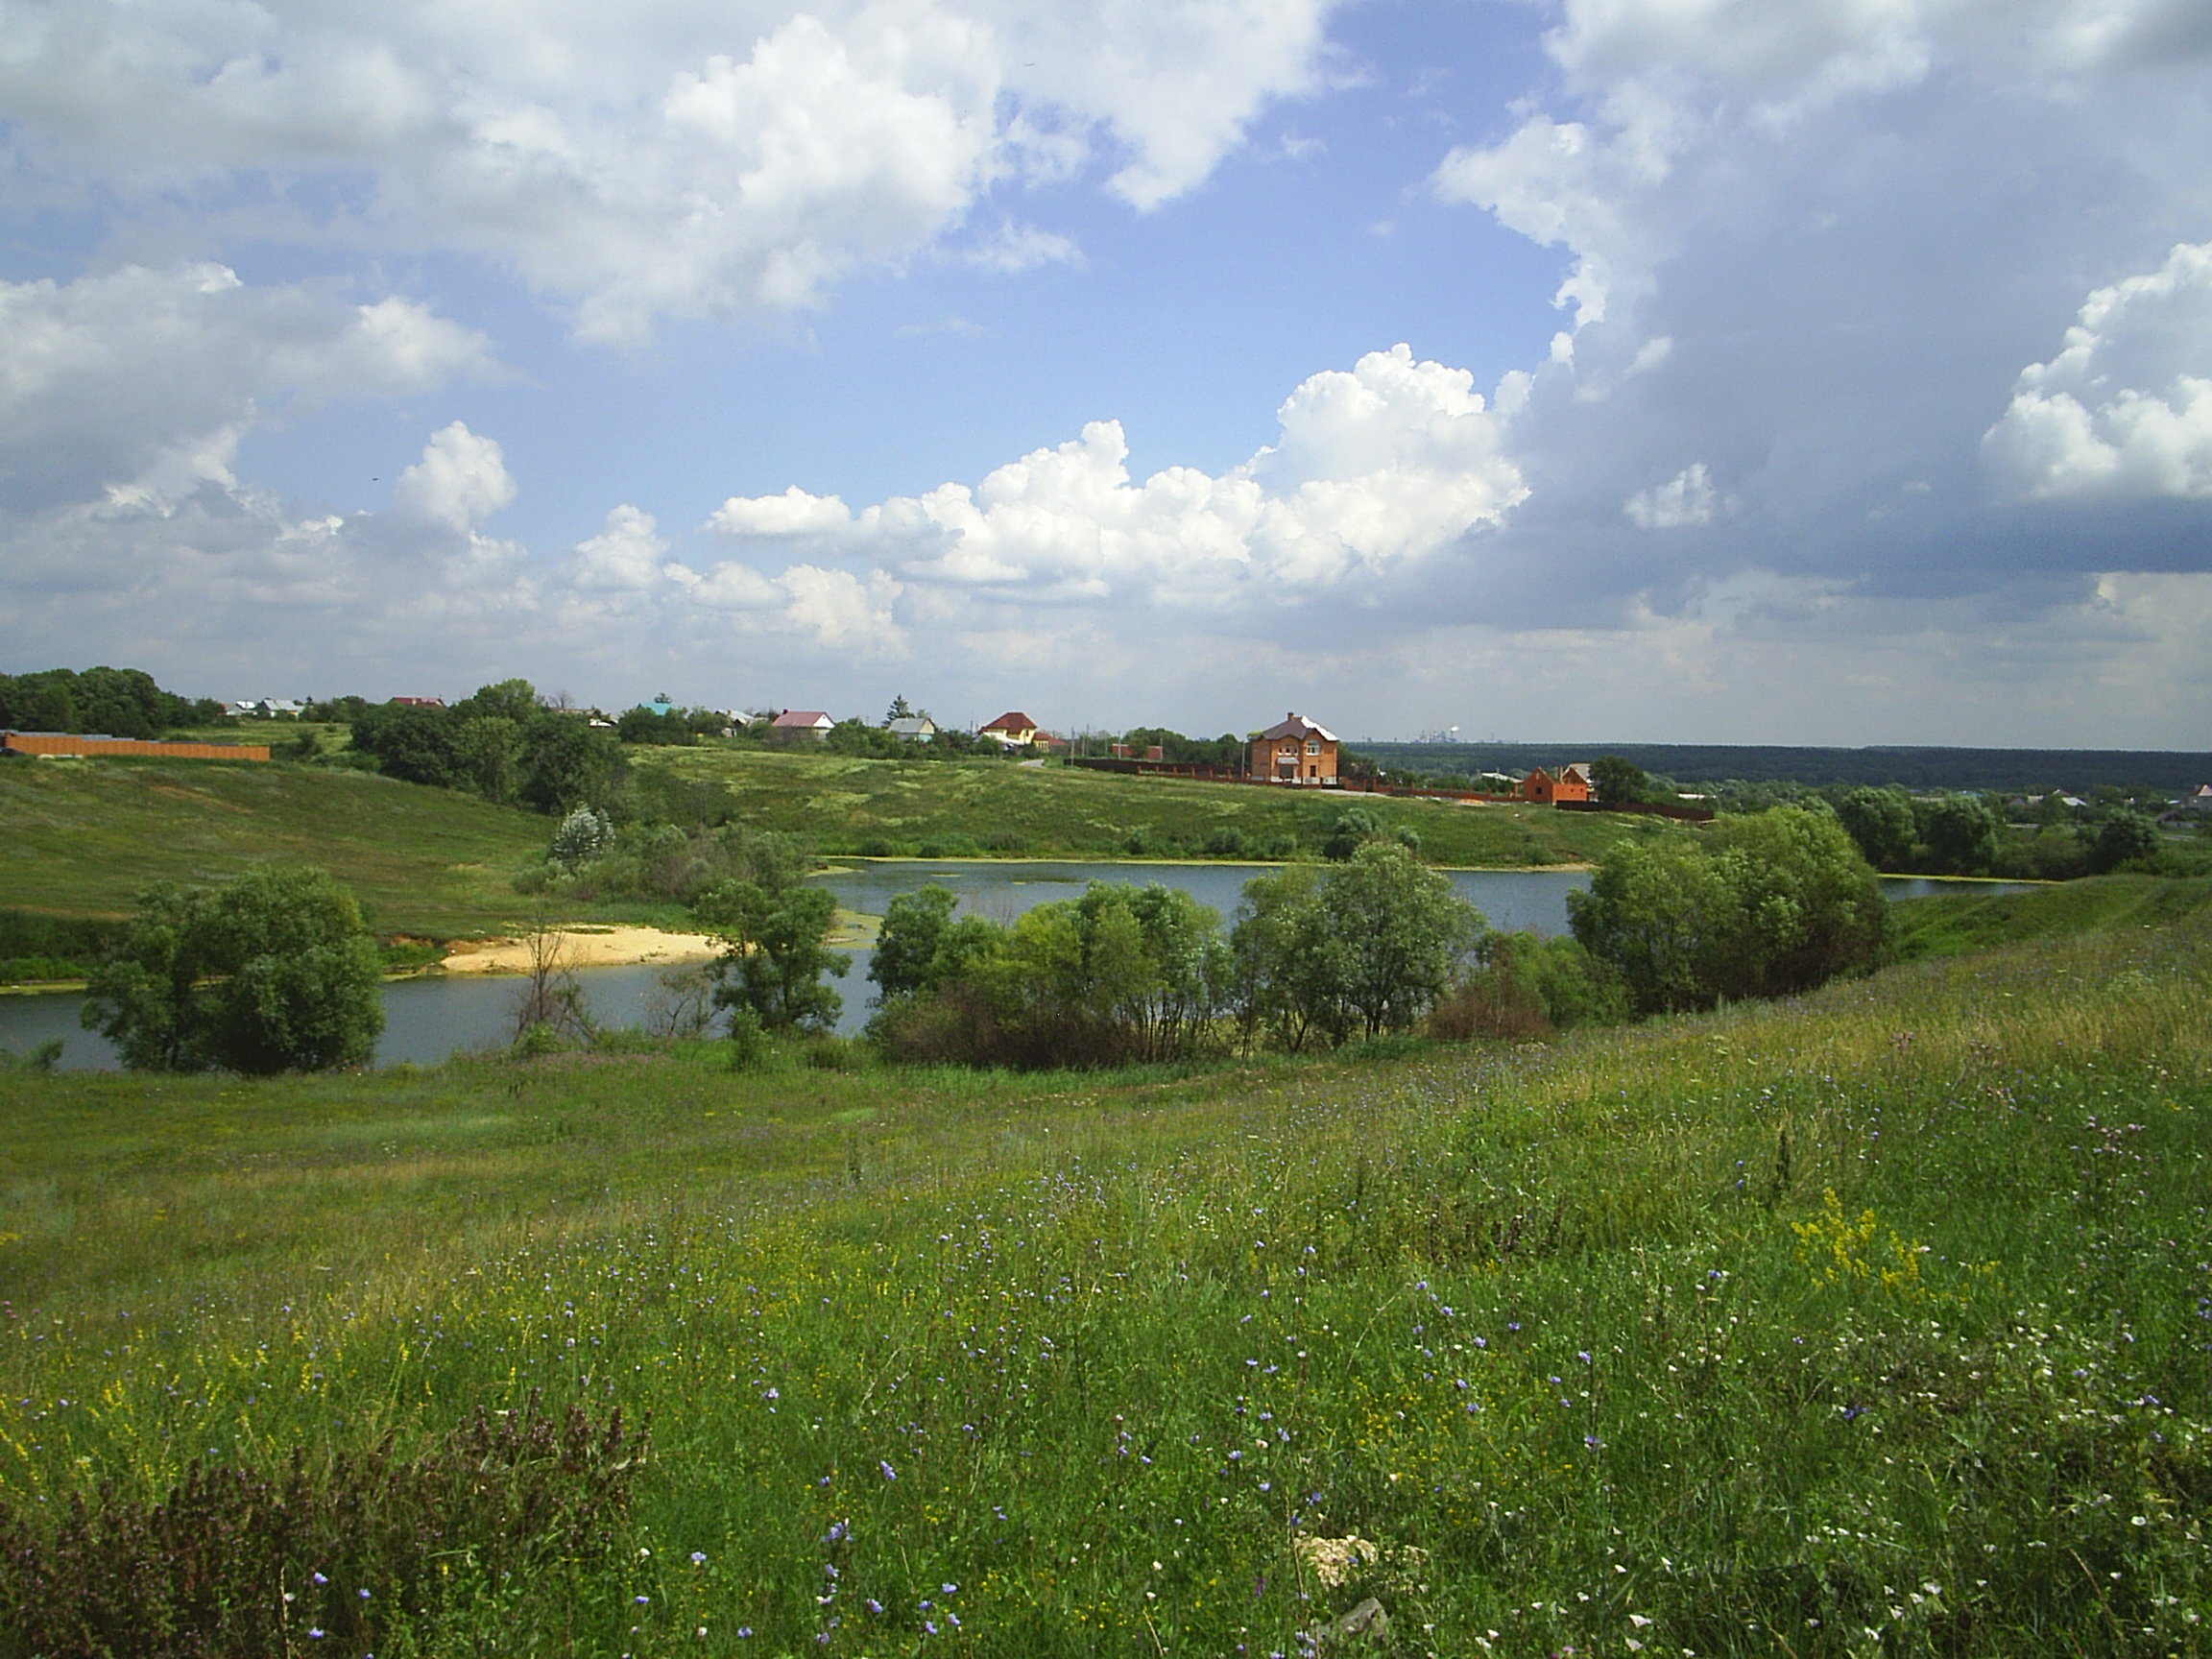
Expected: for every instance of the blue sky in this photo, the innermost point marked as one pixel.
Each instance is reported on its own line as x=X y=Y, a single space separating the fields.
x=1656 y=370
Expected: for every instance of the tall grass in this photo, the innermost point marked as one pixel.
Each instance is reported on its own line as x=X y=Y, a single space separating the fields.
x=1875 y=1322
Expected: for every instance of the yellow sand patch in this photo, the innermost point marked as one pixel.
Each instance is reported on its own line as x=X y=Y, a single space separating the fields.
x=598 y=948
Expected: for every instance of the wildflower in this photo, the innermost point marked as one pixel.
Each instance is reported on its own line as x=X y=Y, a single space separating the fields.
x=889 y=1473
x=873 y=1605
x=949 y=1589
x=698 y=1558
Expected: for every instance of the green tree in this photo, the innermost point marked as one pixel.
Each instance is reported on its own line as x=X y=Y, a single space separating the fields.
x=273 y=972
x=1366 y=947
x=515 y=700
x=1619 y=779
x=1764 y=905
x=1400 y=930
x=1961 y=832
x=488 y=753
x=921 y=944
x=2124 y=838
x=567 y=763
x=1288 y=962
x=1880 y=821
x=776 y=952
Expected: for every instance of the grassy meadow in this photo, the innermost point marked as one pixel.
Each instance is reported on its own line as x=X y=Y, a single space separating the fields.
x=85 y=836
x=1876 y=1322
x=936 y=809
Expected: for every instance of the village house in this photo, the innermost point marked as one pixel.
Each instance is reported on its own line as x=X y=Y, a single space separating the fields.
x=1540 y=788
x=1296 y=750
x=915 y=727
x=1014 y=729
x=799 y=725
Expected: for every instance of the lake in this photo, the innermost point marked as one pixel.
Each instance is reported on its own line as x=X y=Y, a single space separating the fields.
x=429 y=1018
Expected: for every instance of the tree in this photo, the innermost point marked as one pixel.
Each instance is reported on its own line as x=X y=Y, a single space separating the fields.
x=1880 y=821
x=488 y=752
x=1287 y=960
x=515 y=700
x=776 y=952
x=567 y=763
x=274 y=972
x=1619 y=779
x=1767 y=905
x=1961 y=832
x=2124 y=838
x=1401 y=930
x=1368 y=946
x=921 y=946
x=899 y=709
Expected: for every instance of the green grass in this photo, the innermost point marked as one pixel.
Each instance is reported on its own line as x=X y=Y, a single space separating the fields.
x=1577 y=1335
x=982 y=807
x=1953 y=924
x=85 y=836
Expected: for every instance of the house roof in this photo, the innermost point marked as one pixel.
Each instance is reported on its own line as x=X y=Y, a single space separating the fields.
x=802 y=719
x=911 y=726
x=1014 y=720
x=1298 y=725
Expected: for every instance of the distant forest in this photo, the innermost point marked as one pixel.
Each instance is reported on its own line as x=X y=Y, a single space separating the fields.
x=2007 y=771
x=117 y=702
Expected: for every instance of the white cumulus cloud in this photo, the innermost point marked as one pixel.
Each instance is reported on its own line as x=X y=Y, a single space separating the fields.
x=672 y=158
x=461 y=480
x=144 y=380
x=1376 y=467
x=2125 y=409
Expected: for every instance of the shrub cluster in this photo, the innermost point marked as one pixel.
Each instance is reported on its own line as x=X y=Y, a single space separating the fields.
x=237 y=1561
x=591 y=859
x=500 y=744
x=1761 y=906
x=1126 y=975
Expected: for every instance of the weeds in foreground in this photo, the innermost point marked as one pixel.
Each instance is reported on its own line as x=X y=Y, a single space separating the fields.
x=362 y=1551
x=1069 y=1364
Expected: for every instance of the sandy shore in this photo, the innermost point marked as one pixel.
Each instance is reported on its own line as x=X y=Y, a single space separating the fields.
x=581 y=947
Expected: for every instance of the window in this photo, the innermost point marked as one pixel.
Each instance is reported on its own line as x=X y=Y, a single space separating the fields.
x=1312 y=746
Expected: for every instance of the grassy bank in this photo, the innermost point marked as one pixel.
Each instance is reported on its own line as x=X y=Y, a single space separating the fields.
x=85 y=836
x=986 y=807
x=1871 y=1323
x=1953 y=924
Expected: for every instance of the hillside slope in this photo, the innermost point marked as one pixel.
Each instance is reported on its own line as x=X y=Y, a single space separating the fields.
x=961 y=808
x=84 y=837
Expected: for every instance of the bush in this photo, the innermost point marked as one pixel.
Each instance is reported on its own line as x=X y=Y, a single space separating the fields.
x=274 y=972
x=1519 y=987
x=1771 y=904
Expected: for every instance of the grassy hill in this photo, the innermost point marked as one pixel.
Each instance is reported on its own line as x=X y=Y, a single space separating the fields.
x=83 y=837
x=1870 y=1322
x=964 y=808
x=1953 y=924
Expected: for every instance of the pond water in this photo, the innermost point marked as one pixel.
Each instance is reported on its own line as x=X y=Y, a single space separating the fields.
x=429 y=1018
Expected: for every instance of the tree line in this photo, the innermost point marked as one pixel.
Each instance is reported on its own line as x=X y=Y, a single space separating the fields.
x=117 y=702
x=276 y=973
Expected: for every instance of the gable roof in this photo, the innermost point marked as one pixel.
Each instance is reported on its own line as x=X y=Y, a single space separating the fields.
x=802 y=719
x=1298 y=725
x=911 y=726
x=1014 y=720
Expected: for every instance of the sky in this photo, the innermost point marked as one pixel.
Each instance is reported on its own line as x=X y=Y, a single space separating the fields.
x=1692 y=370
